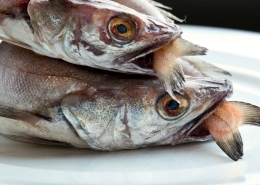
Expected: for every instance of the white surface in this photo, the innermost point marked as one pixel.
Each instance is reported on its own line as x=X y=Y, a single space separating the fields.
x=196 y=163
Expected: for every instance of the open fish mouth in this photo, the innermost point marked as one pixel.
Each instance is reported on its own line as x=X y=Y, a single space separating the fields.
x=195 y=130
x=144 y=61
x=141 y=61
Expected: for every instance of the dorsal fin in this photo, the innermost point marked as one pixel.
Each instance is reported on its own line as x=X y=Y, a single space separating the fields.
x=163 y=9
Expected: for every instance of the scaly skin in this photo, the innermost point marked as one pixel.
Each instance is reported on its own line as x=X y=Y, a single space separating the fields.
x=82 y=32
x=90 y=108
x=77 y=32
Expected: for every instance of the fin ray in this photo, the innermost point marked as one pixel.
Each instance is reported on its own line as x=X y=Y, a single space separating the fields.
x=33 y=140
x=251 y=113
x=232 y=145
x=204 y=68
x=162 y=8
x=173 y=80
x=20 y=44
x=12 y=113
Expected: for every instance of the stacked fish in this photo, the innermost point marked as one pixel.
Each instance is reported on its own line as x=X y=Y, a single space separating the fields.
x=116 y=102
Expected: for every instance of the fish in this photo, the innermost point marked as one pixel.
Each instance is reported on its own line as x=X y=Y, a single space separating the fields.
x=118 y=36
x=46 y=101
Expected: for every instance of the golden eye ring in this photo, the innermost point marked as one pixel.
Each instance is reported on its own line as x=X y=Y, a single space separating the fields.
x=169 y=108
x=122 y=30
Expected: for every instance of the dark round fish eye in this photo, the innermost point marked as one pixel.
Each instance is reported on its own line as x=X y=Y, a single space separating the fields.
x=173 y=105
x=169 y=108
x=121 y=28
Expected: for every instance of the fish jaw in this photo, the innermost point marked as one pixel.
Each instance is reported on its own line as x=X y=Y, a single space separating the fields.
x=216 y=92
x=129 y=118
x=84 y=38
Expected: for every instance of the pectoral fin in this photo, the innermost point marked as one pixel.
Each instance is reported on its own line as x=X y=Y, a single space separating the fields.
x=15 y=42
x=194 y=66
x=231 y=144
x=166 y=66
x=35 y=140
x=249 y=114
x=224 y=122
x=11 y=113
x=171 y=76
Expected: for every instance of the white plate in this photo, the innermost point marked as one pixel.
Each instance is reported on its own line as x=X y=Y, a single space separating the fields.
x=196 y=163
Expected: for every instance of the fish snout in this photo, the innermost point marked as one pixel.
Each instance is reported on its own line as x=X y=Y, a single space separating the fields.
x=161 y=31
x=205 y=95
x=162 y=26
x=208 y=89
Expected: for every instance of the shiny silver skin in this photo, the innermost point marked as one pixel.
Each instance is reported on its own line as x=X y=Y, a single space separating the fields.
x=77 y=31
x=47 y=101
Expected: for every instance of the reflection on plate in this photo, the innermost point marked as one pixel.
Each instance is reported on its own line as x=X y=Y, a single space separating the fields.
x=196 y=163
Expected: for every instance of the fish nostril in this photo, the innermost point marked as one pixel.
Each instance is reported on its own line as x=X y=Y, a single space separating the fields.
x=152 y=27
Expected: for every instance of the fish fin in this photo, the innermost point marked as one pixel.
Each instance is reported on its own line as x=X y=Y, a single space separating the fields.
x=35 y=140
x=204 y=68
x=161 y=8
x=3 y=15
x=14 y=42
x=250 y=114
x=160 y=5
x=186 y=48
x=231 y=144
x=172 y=79
x=12 y=113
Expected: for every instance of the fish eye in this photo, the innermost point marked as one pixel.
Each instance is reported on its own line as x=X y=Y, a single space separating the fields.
x=172 y=105
x=122 y=30
x=169 y=108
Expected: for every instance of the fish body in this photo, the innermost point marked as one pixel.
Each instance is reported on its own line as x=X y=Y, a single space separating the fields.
x=121 y=36
x=44 y=100
x=85 y=33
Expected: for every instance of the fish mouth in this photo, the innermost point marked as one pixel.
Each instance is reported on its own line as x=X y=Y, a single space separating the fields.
x=141 y=61
x=195 y=130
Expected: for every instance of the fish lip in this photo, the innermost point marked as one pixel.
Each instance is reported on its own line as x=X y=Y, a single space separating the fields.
x=185 y=133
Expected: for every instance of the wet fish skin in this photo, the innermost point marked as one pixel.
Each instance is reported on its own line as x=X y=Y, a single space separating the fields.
x=89 y=35
x=91 y=108
x=83 y=37
x=80 y=113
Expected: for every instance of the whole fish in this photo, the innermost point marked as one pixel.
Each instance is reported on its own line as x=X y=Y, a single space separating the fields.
x=43 y=100
x=101 y=34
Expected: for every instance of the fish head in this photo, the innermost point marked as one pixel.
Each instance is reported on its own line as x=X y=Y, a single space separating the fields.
x=100 y=33
x=143 y=115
